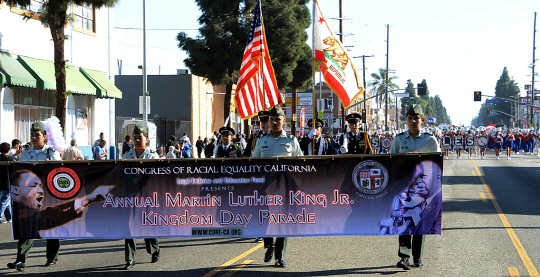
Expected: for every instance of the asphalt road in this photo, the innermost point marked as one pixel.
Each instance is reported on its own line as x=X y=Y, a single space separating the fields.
x=490 y=228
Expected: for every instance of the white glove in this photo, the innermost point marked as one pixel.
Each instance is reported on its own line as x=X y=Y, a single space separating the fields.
x=312 y=133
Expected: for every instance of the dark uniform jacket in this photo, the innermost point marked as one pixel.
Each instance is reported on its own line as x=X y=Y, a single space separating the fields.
x=305 y=145
x=354 y=144
x=252 y=141
x=233 y=151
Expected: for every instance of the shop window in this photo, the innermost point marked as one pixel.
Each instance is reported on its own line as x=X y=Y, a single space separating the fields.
x=84 y=18
x=31 y=105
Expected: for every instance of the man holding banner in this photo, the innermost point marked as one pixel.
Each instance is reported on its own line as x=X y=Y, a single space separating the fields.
x=276 y=144
x=413 y=141
x=140 y=151
x=32 y=217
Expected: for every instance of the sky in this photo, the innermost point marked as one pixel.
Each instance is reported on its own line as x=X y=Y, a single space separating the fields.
x=458 y=46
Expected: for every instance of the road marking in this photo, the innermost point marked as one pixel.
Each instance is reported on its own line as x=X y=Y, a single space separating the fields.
x=474 y=173
x=243 y=264
x=233 y=260
x=483 y=197
x=515 y=240
x=513 y=272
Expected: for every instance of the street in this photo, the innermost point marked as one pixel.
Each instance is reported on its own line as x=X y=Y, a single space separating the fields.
x=490 y=228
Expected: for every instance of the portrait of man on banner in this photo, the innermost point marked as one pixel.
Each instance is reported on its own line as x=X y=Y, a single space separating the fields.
x=418 y=208
x=31 y=216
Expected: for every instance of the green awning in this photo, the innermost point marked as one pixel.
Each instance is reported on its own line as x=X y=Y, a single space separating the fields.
x=43 y=71
x=13 y=73
x=105 y=88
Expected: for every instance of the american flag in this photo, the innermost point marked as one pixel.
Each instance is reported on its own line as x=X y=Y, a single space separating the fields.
x=249 y=96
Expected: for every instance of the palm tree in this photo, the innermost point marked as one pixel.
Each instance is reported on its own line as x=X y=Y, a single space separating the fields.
x=378 y=85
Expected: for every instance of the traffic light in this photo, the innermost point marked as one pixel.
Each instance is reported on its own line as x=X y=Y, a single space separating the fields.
x=477 y=96
x=363 y=115
x=488 y=111
x=421 y=89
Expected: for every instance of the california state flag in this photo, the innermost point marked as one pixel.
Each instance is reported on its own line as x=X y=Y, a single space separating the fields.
x=336 y=66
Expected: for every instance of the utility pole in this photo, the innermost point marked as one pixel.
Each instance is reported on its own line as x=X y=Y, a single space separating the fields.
x=531 y=113
x=364 y=78
x=145 y=85
x=343 y=126
x=386 y=80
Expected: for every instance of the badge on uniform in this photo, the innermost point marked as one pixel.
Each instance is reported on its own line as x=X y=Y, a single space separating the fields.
x=284 y=145
x=264 y=147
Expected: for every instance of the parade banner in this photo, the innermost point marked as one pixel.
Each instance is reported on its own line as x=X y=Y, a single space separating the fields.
x=349 y=195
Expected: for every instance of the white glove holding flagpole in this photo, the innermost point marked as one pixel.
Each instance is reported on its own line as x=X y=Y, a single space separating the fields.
x=312 y=133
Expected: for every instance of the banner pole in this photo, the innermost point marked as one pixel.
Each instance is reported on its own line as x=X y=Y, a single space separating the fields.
x=313 y=74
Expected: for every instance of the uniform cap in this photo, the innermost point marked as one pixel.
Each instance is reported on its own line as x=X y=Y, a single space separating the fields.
x=415 y=110
x=318 y=123
x=353 y=117
x=37 y=126
x=263 y=115
x=226 y=130
x=276 y=111
x=140 y=129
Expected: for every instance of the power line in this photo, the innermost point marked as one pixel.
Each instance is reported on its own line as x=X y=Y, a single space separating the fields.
x=130 y=28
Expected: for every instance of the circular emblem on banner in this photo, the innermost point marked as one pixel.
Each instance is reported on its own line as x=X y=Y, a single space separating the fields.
x=370 y=177
x=63 y=183
x=386 y=143
x=482 y=141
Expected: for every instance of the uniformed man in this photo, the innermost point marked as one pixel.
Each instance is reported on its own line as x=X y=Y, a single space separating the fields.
x=321 y=144
x=263 y=118
x=141 y=151
x=226 y=148
x=413 y=140
x=252 y=141
x=355 y=142
x=39 y=151
x=276 y=144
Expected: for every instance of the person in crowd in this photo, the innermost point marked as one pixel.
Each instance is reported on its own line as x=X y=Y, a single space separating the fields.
x=184 y=138
x=276 y=143
x=413 y=140
x=141 y=151
x=199 y=146
x=171 y=154
x=209 y=149
x=159 y=151
x=126 y=146
x=99 y=151
x=186 y=149
x=16 y=148
x=204 y=144
x=5 y=199
x=72 y=153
